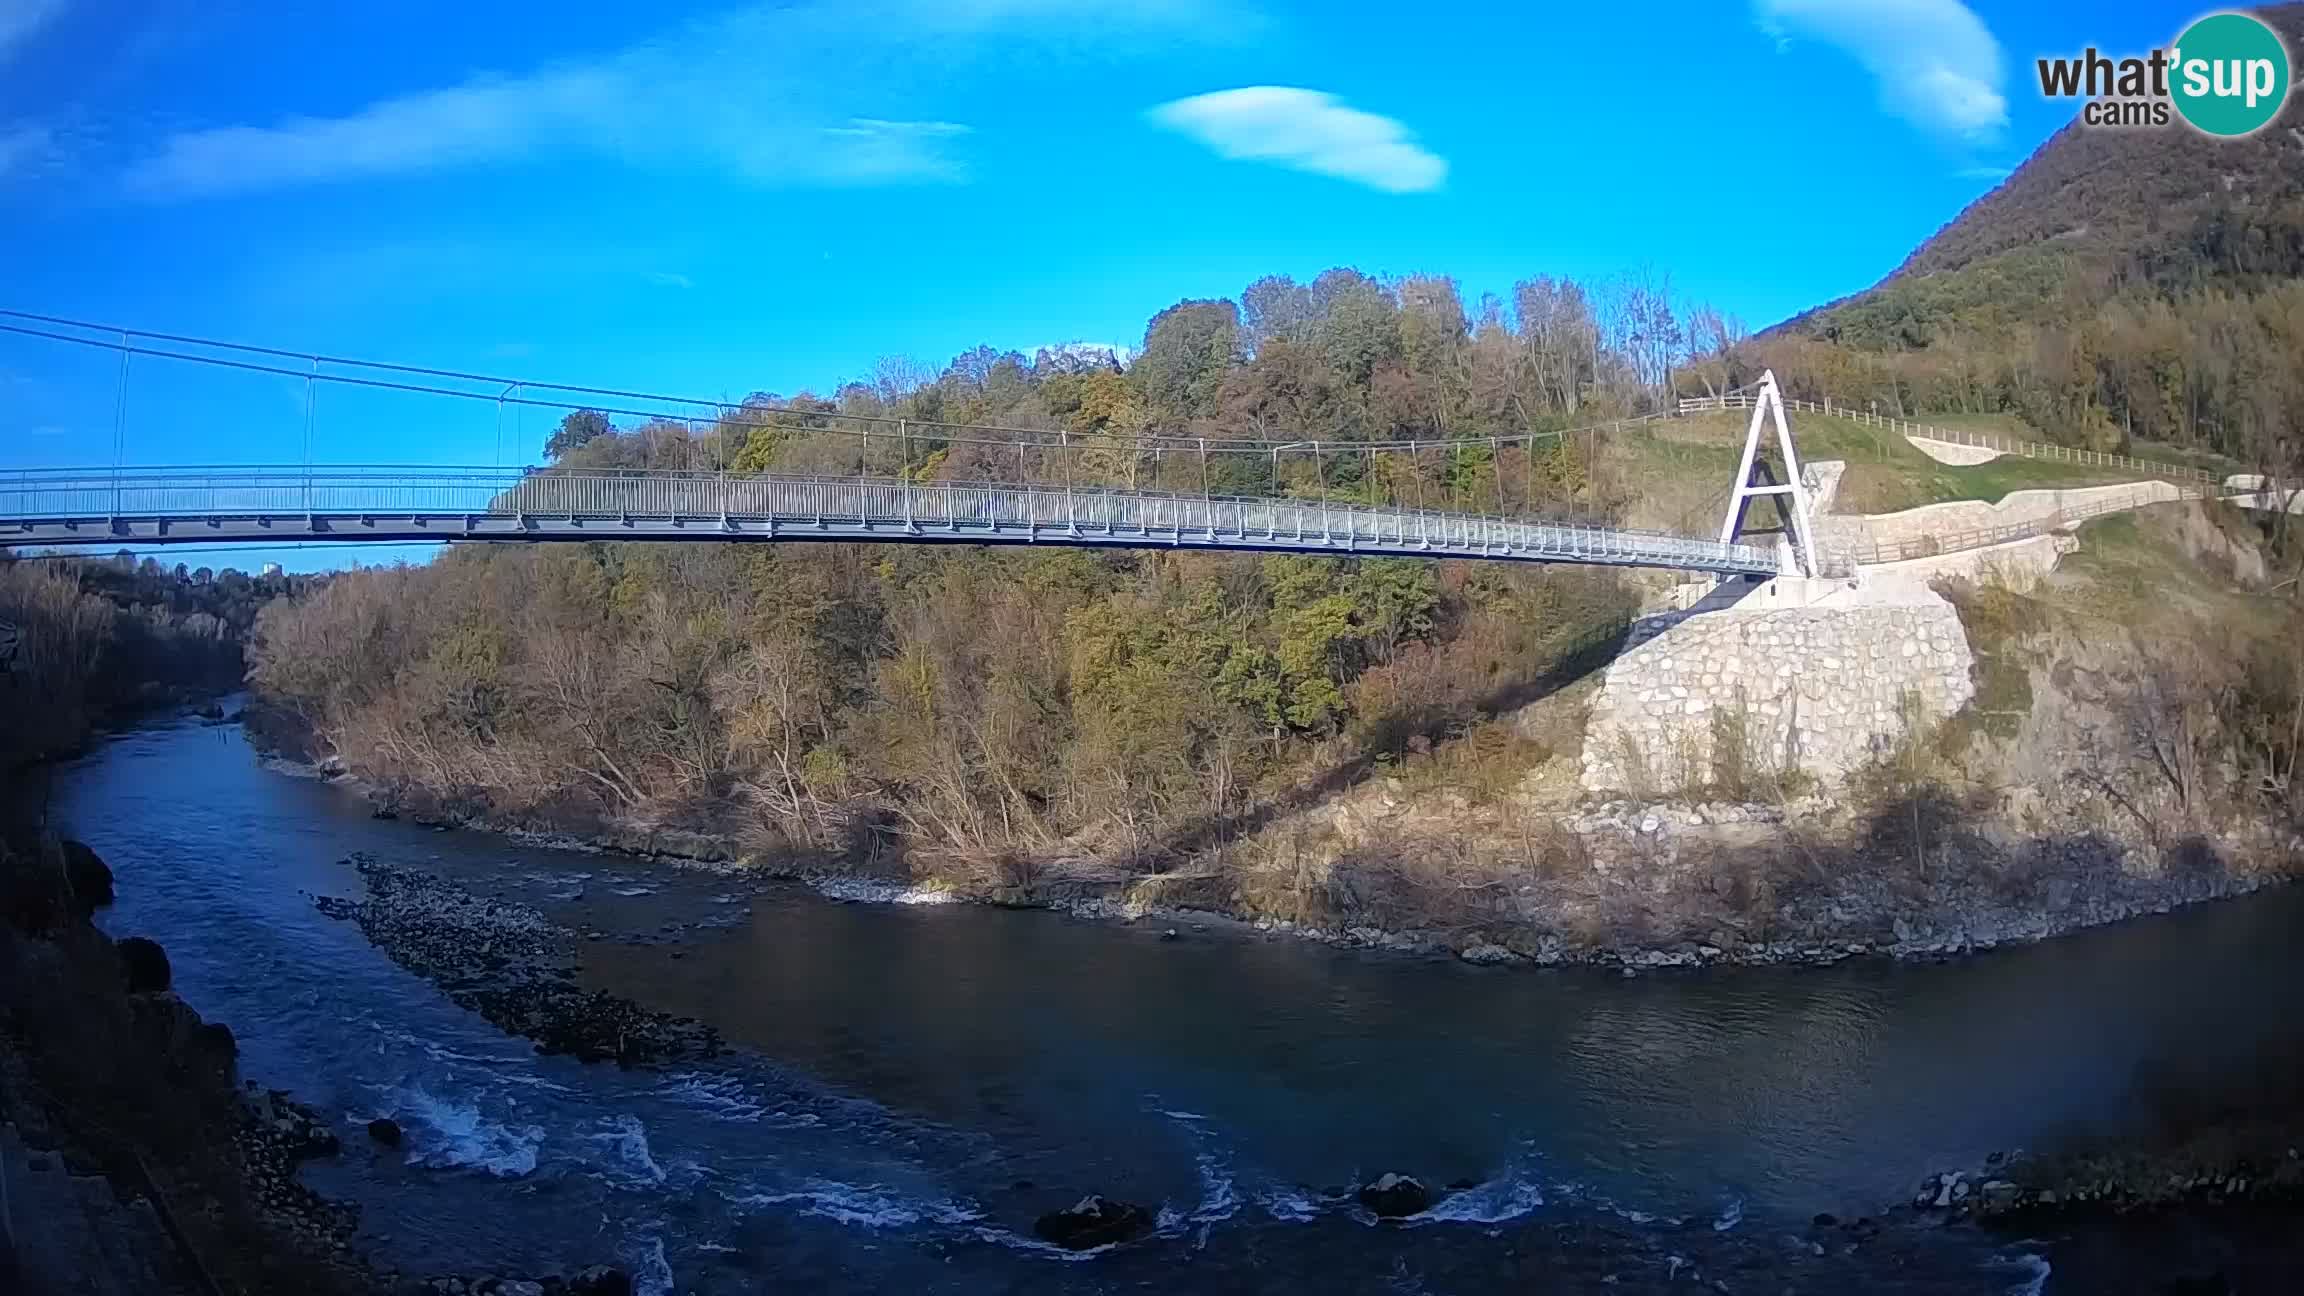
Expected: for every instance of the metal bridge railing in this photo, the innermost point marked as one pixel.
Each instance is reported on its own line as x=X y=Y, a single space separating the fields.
x=953 y=508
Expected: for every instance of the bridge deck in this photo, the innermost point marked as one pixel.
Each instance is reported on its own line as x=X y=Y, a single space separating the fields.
x=164 y=505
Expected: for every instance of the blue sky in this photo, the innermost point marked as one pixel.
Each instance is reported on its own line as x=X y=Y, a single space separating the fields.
x=717 y=199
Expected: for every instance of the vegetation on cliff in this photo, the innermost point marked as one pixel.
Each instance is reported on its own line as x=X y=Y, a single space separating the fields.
x=98 y=637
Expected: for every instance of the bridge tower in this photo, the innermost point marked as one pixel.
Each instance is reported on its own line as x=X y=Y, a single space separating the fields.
x=1753 y=478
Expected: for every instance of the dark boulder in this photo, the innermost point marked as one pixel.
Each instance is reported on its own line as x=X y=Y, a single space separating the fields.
x=600 y=1280
x=215 y=1039
x=1093 y=1221
x=89 y=878
x=1395 y=1195
x=1825 y=1219
x=145 y=964
x=386 y=1132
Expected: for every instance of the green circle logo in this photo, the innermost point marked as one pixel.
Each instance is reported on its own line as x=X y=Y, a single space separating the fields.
x=2228 y=74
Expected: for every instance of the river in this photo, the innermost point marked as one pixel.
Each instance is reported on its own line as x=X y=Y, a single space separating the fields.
x=912 y=1084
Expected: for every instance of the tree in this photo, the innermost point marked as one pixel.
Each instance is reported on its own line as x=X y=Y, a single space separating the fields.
x=1561 y=338
x=577 y=428
x=1187 y=349
x=1275 y=308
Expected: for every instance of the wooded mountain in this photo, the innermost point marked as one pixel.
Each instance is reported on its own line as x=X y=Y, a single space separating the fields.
x=2141 y=283
x=2096 y=211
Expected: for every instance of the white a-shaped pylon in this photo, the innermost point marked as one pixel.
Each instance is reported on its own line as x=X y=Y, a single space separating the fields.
x=1753 y=478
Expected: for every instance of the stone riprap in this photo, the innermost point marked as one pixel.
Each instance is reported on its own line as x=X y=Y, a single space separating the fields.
x=1820 y=690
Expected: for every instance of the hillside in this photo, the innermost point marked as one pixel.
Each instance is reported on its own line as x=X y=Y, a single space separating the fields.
x=2095 y=211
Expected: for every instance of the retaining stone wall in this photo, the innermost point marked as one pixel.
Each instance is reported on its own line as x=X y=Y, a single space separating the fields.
x=1819 y=689
x=2017 y=507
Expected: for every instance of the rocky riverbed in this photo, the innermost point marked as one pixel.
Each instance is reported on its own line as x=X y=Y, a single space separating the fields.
x=507 y=963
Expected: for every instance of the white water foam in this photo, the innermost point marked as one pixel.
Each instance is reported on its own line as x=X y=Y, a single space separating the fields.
x=870 y=892
x=1730 y=1216
x=626 y=1159
x=448 y=1132
x=1034 y=1246
x=1289 y=1205
x=863 y=1206
x=511 y=1068
x=720 y=1096
x=635 y=890
x=1219 y=1197
x=651 y=1272
x=725 y=1097
x=2034 y=1268
x=1506 y=1197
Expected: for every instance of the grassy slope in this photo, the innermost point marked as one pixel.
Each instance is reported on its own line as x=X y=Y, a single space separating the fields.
x=1675 y=475
x=2163 y=568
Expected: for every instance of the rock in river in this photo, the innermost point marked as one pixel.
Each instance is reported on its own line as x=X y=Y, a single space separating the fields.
x=1093 y=1221
x=86 y=873
x=1395 y=1195
x=144 y=964
x=601 y=1280
x=385 y=1132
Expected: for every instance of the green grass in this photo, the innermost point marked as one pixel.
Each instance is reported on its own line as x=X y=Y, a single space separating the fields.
x=1682 y=468
x=2014 y=428
x=2133 y=569
x=1999 y=425
x=2182 y=457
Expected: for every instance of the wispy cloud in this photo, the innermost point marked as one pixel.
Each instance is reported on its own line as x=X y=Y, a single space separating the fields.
x=670 y=279
x=1984 y=173
x=1937 y=64
x=1306 y=130
x=795 y=95
x=19 y=19
x=22 y=147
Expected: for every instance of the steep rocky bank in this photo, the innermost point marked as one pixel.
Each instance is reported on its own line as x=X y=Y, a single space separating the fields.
x=133 y=1157
x=105 y=1072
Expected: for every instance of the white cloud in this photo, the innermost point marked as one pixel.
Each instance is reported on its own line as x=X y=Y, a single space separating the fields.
x=1938 y=65
x=1306 y=130
x=1984 y=173
x=775 y=95
x=670 y=279
x=19 y=19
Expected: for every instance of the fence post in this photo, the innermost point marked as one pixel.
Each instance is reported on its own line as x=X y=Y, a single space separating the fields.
x=120 y=423
x=1207 y=497
x=1320 y=475
x=904 y=430
x=1064 y=451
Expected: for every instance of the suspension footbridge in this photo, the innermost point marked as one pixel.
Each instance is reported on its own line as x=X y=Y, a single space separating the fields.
x=825 y=475
x=758 y=471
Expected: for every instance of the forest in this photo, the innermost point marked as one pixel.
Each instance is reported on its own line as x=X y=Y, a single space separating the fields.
x=98 y=638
